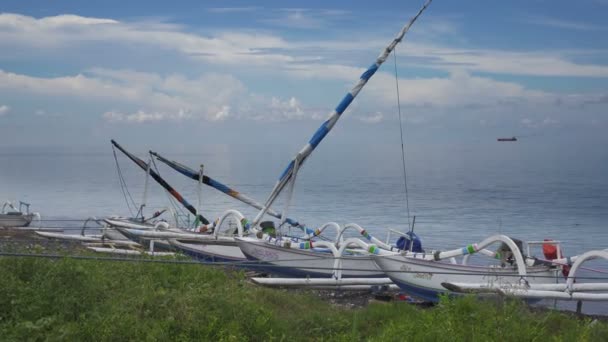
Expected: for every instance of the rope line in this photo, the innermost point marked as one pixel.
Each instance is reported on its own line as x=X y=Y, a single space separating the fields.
x=123 y=184
x=180 y=213
x=407 y=202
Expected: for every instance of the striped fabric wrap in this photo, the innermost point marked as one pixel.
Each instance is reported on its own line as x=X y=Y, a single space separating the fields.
x=306 y=245
x=312 y=232
x=366 y=235
x=470 y=249
x=326 y=127
x=246 y=224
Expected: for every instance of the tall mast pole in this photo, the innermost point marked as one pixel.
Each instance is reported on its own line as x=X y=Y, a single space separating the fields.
x=326 y=127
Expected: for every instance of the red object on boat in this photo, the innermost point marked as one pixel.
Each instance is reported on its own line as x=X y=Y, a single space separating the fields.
x=549 y=250
x=507 y=139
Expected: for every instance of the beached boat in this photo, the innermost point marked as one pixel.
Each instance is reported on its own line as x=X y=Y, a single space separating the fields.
x=146 y=231
x=204 y=241
x=305 y=257
x=427 y=276
x=10 y=216
x=170 y=190
x=102 y=234
x=216 y=245
x=318 y=261
x=287 y=257
x=423 y=274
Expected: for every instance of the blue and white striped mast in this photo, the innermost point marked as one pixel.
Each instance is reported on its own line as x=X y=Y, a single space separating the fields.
x=290 y=172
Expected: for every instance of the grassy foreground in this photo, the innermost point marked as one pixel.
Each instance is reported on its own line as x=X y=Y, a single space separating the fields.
x=87 y=300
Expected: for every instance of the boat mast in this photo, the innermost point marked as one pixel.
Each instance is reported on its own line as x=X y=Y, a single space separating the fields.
x=322 y=131
x=190 y=173
x=200 y=190
x=162 y=183
x=145 y=197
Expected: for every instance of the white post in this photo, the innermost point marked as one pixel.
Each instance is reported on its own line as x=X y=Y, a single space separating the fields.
x=145 y=197
x=200 y=190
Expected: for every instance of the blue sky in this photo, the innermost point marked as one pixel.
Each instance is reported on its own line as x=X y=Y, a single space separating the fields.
x=230 y=72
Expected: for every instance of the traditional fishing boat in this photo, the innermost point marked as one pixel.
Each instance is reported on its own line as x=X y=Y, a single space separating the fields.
x=203 y=241
x=104 y=238
x=305 y=257
x=300 y=258
x=424 y=274
x=428 y=275
x=10 y=216
x=317 y=261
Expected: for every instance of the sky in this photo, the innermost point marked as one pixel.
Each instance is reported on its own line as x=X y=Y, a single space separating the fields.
x=182 y=73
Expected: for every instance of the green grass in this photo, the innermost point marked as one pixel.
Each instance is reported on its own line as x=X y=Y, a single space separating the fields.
x=87 y=300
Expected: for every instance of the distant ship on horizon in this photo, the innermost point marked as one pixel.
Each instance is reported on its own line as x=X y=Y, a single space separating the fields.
x=507 y=139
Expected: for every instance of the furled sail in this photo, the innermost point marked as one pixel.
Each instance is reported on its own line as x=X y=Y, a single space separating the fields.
x=190 y=173
x=162 y=183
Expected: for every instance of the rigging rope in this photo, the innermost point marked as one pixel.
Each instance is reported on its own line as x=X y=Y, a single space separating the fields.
x=181 y=216
x=407 y=202
x=123 y=184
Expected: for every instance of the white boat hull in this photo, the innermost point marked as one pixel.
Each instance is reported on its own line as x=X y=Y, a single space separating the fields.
x=71 y=237
x=423 y=279
x=15 y=220
x=209 y=252
x=305 y=263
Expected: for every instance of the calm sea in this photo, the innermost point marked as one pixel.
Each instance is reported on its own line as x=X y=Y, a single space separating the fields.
x=459 y=193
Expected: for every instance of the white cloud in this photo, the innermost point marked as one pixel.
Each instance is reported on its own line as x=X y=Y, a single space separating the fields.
x=222 y=114
x=550 y=122
x=304 y=18
x=128 y=95
x=4 y=109
x=460 y=89
x=19 y=22
x=290 y=109
x=141 y=116
x=298 y=18
x=539 y=63
x=217 y=97
x=232 y=9
x=262 y=108
x=172 y=97
x=212 y=97
x=72 y=30
x=539 y=122
x=262 y=49
x=565 y=24
x=373 y=118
